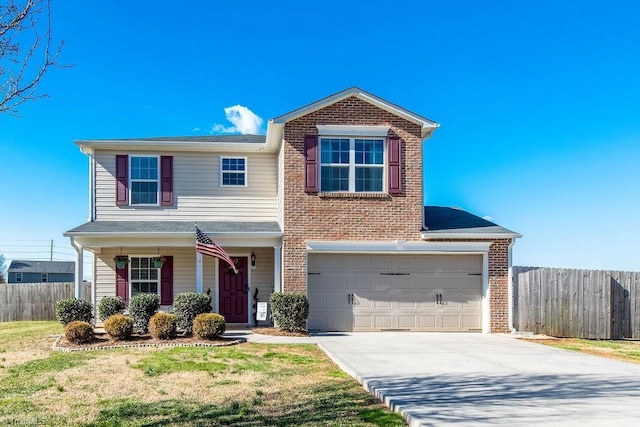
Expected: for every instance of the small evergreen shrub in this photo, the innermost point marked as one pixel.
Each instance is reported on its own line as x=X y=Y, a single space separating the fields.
x=290 y=310
x=109 y=306
x=79 y=332
x=163 y=326
x=118 y=327
x=209 y=326
x=141 y=308
x=73 y=309
x=187 y=306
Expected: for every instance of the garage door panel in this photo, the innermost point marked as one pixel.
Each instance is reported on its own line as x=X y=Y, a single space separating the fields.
x=395 y=292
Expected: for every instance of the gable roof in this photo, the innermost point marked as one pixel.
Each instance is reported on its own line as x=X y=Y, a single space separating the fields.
x=26 y=266
x=426 y=124
x=454 y=222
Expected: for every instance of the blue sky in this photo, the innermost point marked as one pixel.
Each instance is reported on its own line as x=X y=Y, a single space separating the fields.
x=539 y=104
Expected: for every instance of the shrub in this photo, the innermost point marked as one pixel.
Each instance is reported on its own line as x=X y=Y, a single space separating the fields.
x=209 y=326
x=162 y=326
x=187 y=306
x=109 y=306
x=290 y=310
x=118 y=326
x=72 y=309
x=141 y=308
x=78 y=332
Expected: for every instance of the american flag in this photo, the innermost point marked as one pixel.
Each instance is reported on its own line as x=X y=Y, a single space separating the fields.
x=206 y=246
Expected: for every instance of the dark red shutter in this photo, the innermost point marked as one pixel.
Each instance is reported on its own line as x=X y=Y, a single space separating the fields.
x=311 y=164
x=122 y=283
x=166 y=180
x=166 y=281
x=394 y=170
x=122 y=180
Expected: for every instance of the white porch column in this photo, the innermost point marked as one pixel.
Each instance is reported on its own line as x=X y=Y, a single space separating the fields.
x=277 y=268
x=79 y=272
x=198 y=272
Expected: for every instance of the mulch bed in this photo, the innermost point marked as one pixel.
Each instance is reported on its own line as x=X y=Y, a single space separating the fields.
x=279 y=332
x=102 y=341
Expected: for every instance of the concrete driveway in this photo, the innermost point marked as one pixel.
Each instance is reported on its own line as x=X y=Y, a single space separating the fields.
x=475 y=379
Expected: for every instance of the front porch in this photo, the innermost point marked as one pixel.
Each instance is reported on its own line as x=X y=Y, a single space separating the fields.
x=256 y=253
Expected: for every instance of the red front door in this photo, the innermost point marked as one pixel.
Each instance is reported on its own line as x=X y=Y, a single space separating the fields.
x=234 y=291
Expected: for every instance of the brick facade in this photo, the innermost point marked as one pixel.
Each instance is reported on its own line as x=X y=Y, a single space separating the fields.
x=357 y=217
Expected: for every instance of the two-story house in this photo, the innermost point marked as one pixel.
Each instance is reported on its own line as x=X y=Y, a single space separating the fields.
x=28 y=271
x=329 y=202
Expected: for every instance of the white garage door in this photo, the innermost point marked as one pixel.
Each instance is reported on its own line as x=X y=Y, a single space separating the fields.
x=395 y=292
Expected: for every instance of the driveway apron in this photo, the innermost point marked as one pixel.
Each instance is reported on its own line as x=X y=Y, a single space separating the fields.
x=478 y=379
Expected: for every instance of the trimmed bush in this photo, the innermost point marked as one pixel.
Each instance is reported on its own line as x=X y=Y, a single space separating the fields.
x=79 y=332
x=209 y=326
x=73 y=309
x=290 y=310
x=109 y=306
x=118 y=327
x=187 y=306
x=163 y=326
x=141 y=308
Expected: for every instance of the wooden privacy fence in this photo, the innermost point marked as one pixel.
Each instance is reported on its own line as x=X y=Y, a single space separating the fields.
x=592 y=304
x=35 y=301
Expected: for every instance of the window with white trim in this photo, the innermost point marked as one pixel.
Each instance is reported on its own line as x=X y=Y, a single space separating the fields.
x=18 y=277
x=145 y=278
x=44 y=278
x=233 y=171
x=144 y=180
x=352 y=165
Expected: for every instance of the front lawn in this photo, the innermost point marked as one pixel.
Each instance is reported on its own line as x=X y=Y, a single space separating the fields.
x=627 y=351
x=247 y=384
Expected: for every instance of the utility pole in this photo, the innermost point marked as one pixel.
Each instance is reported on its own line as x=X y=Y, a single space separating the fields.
x=51 y=251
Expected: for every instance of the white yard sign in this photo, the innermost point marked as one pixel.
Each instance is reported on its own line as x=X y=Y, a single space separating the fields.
x=262 y=311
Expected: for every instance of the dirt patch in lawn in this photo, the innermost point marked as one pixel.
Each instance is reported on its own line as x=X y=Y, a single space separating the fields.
x=279 y=332
x=103 y=341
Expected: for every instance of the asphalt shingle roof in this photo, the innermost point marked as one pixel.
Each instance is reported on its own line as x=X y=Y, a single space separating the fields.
x=178 y=227
x=439 y=219
x=25 y=266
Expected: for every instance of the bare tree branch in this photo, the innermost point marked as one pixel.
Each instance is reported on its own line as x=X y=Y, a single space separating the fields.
x=26 y=51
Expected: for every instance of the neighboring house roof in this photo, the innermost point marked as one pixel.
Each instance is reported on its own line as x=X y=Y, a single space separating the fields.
x=52 y=267
x=443 y=222
x=173 y=228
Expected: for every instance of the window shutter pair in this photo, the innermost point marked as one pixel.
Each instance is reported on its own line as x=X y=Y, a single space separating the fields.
x=166 y=282
x=394 y=164
x=122 y=180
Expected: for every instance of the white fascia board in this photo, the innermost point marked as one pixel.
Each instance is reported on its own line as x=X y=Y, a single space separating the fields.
x=396 y=247
x=97 y=244
x=352 y=130
x=425 y=235
x=224 y=147
x=274 y=136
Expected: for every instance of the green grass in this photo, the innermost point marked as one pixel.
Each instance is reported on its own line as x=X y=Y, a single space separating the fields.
x=32 y=376
x=24 y=335
x=628 y=351
x=249 y=384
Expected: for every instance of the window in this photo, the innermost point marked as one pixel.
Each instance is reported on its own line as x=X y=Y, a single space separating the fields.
x=18 y=277
x=351 y=165
x=44 y=278
x=144 y=276
x=144 y=180
x=233 y=171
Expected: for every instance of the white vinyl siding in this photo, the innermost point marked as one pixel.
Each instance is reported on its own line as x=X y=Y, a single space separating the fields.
x=197 y=191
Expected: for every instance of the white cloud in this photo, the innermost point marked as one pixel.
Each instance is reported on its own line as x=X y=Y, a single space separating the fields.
x=196 y=129
x=244 y=121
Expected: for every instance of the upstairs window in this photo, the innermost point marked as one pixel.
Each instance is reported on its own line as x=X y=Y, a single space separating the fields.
x=18 y=277
x=233 y=171
x=351 y=165
x=144 y=180
x=44 y=278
